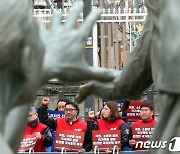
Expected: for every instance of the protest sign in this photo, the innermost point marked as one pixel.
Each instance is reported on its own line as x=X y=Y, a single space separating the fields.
x=56 y=114
x=27 y=143
x=71 y=140
x=142 y=133
x=106 y=139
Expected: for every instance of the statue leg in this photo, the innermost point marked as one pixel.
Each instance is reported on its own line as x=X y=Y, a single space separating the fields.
x=5 y=149
x=14 y=125
x=168 y=125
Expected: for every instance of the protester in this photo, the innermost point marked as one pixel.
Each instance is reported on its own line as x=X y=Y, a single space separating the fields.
x=70 y=122
x=41 y=131
x=111 y=120
x=60 y=107
x=146 y=114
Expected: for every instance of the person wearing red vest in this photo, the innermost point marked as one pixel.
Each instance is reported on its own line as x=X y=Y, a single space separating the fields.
x=70 y=122
x=111 y=120
x=146 y=114
x=41 y=131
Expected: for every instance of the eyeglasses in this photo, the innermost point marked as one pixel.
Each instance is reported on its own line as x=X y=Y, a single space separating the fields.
x=69 y=110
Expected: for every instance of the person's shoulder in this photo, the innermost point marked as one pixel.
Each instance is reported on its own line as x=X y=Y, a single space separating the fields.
x=81 y=121
x=120 y=121
x=61 y=119
x=101 y=120
x=154 y=121
x=42 y=125
x=137 y=122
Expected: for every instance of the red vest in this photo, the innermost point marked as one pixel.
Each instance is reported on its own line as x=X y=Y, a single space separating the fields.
x=140 y=122
x=78 y=125
x=39 y=147
x=106 y=125
x=153 y=122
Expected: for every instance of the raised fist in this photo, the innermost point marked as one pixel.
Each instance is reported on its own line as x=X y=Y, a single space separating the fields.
x=45 y=101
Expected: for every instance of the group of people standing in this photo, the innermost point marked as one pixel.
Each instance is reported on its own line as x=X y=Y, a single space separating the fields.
x=109 y=119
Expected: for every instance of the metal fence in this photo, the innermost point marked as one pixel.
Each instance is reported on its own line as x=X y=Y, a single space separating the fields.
x=114 y=35
x=123 y=152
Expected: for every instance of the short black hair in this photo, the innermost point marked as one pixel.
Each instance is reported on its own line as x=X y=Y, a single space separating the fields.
x=63 y=100
x=74 y=105
x=147 y=103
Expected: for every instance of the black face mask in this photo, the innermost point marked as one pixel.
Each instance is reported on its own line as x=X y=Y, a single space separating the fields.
x=34 y=122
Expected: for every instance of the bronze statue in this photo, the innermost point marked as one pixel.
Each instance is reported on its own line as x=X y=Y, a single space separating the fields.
x=155 y=59
x=30 y=55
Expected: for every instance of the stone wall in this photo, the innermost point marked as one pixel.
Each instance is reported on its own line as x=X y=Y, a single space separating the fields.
x=54 y=90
